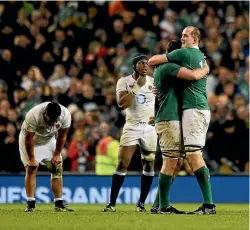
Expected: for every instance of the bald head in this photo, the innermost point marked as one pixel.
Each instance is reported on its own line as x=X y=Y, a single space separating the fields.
x=191 y=36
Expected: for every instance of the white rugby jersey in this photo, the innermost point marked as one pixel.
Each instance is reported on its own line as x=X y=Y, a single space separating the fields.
x=34 y=122
x=143 y=106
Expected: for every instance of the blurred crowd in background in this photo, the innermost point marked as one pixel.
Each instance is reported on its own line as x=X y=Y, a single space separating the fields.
x=74 y=53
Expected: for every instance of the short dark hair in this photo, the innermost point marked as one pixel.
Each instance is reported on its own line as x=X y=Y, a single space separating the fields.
x=53 y=110
x=173 y=45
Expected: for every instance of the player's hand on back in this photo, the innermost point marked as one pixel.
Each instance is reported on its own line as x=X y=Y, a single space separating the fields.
x=204 y=56
x=141 y=80
x=155 y=91
x=151 y=121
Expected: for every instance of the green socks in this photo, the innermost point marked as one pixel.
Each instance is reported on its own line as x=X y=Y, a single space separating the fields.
x=203 y=178
x=165 y=182
x=156 y=202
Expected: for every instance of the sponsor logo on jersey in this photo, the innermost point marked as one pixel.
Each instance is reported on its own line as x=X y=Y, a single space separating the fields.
x=141 y=99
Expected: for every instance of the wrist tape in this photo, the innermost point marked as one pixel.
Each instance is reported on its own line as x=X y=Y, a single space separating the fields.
x=136 y=88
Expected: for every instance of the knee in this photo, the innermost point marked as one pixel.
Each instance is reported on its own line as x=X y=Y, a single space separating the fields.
x=148 y=160
x=57 y=171
x=31 y=170
x=148 y=157
x=148 y=166
x=179 y=164
x=195 y=161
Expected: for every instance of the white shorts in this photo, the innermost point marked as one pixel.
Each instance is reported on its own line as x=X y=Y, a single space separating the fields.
x=141 y=134
x=169 y=133
x=42 y=152
x=194 y=126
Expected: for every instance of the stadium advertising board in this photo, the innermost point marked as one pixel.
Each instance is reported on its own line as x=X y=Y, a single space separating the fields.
x=94 y=189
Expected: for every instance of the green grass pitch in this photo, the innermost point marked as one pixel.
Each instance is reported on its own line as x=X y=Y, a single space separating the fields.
x=229 y=216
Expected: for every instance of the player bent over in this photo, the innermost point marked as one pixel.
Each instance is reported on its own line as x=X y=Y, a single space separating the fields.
x=42 y=137
x=134 y=94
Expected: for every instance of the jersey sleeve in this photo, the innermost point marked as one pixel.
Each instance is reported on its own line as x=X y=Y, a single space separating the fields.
x=170 y=70
x=30 y=122
x=121 y=85
x=177 y=56
x=67 y=120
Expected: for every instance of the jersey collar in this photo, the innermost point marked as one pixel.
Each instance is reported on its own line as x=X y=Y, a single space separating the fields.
x=195 y=47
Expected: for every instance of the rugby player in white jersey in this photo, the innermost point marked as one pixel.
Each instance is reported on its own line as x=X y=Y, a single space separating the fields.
x=41 y=140
x=135 y=96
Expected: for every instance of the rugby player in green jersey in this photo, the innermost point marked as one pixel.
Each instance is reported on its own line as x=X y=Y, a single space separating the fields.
x=195 y=111
x=168 y=125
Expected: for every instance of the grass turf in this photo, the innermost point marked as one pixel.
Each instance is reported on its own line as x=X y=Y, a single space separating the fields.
x=13 y=217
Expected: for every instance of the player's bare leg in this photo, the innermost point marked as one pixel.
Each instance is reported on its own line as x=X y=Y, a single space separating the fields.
x=147 y=178
x=198 y=166
x=56 y=186
x=196 y=161
x=125 y=155
x=30 y=187
x=56 y=183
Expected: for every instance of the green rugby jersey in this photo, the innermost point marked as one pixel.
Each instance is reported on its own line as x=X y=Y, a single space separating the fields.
x=165 y=82
x=193 y=92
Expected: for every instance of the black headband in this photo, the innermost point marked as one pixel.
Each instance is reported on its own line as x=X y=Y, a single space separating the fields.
x=138 y=58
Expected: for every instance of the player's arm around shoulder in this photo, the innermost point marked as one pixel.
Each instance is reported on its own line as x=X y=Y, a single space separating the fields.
x=157 y=59
x=193 y=75
x=177 y=56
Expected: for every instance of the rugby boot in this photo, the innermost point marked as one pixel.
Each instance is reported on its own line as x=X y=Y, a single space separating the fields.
x=109 y=208
x=205 y=209
x=31 y=205
x=170 y=210
x=140 y=207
